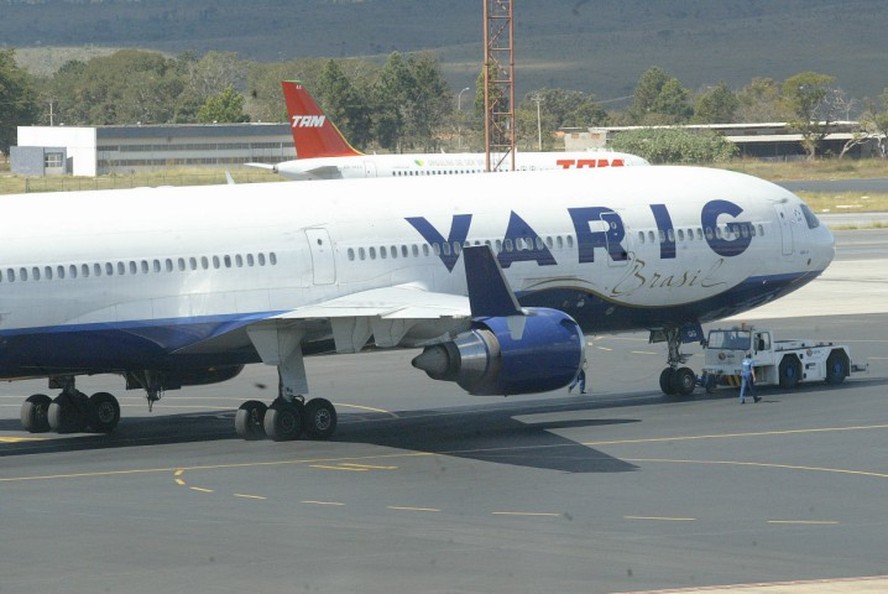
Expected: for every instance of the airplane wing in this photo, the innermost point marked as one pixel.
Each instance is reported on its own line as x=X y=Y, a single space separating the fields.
x=404 y=315
x=399 y=302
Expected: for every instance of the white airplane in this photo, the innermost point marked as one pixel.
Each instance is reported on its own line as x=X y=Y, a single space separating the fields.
x=324 y=153
x=497 y=278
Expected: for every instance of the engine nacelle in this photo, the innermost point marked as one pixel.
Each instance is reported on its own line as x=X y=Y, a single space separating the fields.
x=538 y=352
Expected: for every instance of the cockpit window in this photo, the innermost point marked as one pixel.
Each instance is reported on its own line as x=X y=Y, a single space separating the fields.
x=810 y=217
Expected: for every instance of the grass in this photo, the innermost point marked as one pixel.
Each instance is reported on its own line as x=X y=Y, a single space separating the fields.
x=15 y=184
x=819 y=169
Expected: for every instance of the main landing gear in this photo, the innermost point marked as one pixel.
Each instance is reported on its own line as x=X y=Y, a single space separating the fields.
x=677 y=379
x=71 y=411
x=286 y=420
x=290 y=416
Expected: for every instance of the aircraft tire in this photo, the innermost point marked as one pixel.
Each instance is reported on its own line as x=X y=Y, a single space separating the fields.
x=67 y=413
x=320 y=419
x=34 y=413
x=283 y=420
x=666 y=381
x=683 y=381
x=249 y=420
x=104 y=412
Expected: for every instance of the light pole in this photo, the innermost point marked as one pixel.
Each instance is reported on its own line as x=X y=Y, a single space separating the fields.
x=459 y=117
x=538 y=99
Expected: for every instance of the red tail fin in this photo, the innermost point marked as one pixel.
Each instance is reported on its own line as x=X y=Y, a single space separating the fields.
x=313 y=133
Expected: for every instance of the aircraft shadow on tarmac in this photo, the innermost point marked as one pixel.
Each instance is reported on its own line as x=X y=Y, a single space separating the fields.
x=481 y=432
x=495 y=435
x=485 y=432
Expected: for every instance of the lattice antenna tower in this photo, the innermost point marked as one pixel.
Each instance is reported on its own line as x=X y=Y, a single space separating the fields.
x=499 y=85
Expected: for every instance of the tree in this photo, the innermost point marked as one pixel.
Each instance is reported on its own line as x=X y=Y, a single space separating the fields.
x=431 y=100
x=805 y=97
x=410 y=100
x=759 y=101
x=126 y=87
x=873 y=127
x=675 y=145
x=716 y=106
x=226 y=107
x=391 y=103
x=18 y=100
x=558 y=108
x=659 y=99
x=344 y=104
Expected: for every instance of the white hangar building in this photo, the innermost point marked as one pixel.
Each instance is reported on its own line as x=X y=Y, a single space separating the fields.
x=91 y=151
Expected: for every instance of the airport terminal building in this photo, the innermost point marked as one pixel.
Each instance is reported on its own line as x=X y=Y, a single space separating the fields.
x=100 y=150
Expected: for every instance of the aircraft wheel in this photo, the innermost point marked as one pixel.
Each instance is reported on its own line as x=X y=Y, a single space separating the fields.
x=319 y=421
x=683 y=381
x=104 y=412
x=666 y=381
x=249 y=420
x=34 y=411
x=789 y=372
x=283 y=420
x=67 y=413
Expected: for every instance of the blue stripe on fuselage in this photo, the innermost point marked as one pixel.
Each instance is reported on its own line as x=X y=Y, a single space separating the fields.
x=110 y=347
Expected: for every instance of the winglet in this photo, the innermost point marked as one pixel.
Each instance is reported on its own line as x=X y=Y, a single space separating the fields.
x=313 y=133
x=489 y=292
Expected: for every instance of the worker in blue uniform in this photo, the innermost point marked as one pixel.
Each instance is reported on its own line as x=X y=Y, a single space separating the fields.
x=747 y=378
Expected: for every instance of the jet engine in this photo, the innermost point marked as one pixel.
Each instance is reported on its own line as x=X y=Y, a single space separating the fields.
x=522 y=354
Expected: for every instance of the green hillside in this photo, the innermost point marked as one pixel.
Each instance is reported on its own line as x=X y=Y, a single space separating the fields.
x=599 y=46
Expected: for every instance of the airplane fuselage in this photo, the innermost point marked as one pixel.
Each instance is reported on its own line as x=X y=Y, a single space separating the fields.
x=435 y=164
x=158 y=278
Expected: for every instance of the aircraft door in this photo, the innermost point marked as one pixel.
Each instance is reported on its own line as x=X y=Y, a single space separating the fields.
x=784 y=216
x=323 y=263
x=369 y=168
